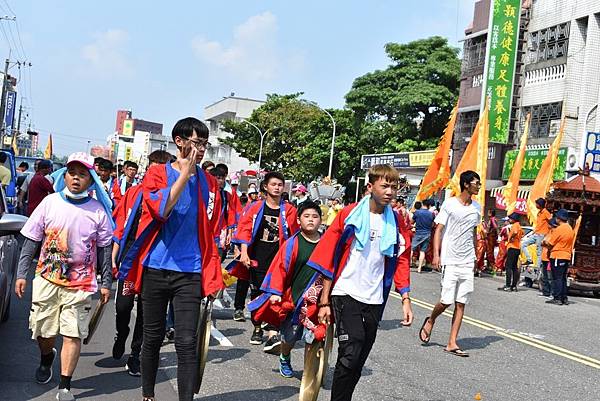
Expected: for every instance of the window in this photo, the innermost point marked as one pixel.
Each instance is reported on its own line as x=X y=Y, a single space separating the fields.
x=544 y=119
x=474 y=54
x=465 y=125
x=548 y=44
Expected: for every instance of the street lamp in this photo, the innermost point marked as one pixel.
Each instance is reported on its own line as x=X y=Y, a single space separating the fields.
x=262 y=138
x=87 y=149
x=332 y=136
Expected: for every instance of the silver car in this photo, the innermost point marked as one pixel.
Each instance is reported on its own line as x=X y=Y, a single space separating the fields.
x=10 y=226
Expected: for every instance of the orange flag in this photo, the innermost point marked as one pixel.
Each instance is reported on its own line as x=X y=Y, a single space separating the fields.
x=48 y=152
x=542 y=182
x=438 y=172
x=512 y=186
x=475 y=157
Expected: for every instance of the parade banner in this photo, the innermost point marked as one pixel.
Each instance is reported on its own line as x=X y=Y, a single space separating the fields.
x=534 y=158
x=502 y=46
x=9 y=114
x=437 y=175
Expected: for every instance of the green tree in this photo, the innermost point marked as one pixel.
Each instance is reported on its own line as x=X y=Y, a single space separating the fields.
x=299 y=139
x=407 y=105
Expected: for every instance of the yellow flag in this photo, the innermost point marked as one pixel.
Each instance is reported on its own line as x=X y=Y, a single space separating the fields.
x=576 y=231
x=542 y=182
x=512 y=186
x=475 y=157
x=438 y=172
x=48 y=152
x=14 y=144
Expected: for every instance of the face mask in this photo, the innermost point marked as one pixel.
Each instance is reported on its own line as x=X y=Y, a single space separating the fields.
x=69 y=194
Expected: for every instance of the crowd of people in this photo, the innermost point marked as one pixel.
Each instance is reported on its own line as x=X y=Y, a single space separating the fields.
x=164 y=238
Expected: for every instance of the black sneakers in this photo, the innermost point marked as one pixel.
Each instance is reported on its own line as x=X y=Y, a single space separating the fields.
x=43 y=373
x=257 y=336
x=238 y=315
x=133 y=366
x=273 y=345
x=118 y=348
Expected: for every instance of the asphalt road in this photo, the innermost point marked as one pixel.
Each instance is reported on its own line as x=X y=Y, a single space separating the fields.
x=521 y=349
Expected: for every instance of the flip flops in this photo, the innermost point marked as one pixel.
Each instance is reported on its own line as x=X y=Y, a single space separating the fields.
x=422 y=330
x=457 y=351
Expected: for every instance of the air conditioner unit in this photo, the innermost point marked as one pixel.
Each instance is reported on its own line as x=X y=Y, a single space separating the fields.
x=572 y=160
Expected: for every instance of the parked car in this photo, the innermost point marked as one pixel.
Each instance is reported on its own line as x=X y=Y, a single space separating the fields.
x=10 y=226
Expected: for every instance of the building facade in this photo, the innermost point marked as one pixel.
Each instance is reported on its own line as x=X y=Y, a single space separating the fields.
x=557 y=75
x=228 y=108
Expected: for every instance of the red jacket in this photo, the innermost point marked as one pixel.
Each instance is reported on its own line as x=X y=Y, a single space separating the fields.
x=155 y=192
x=278 y=281
x=247 y=230
x=332 y=252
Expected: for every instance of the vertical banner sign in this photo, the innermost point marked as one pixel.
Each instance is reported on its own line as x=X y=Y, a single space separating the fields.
x=592 y=152
x=502 y=46
x=9 y=114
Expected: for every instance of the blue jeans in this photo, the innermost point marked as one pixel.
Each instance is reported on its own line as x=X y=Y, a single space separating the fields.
x=546 y=284
x=533 y=239
x=560 y=268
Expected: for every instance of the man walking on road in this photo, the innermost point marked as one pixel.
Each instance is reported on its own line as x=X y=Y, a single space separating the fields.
x=423 y=221
x=366 y=248
x=75 y=233
x=454 y=251
x=127 y=216
x=513 y=252
x=175 y=258
x=262 y=230
x=541 y=228
x=39 y=187
x=560 y=242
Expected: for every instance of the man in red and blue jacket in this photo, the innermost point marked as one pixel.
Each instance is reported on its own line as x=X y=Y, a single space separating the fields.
x=127 y=216
x=365 y=250
x=262 y=230
x=174 y=257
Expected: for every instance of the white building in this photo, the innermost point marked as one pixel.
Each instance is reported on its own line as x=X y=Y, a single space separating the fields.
x=562 y=71
x=228 y=108
x=137 y=147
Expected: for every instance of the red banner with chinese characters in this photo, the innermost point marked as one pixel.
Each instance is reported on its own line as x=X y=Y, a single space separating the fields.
x=520 y=206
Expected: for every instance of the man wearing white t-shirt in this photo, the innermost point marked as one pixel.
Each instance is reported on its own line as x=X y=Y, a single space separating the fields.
x=454 y=252
x=364 y=251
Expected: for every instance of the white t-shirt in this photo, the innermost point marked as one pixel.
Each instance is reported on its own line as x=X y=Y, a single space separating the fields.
x=457 y=238
x=362 y=277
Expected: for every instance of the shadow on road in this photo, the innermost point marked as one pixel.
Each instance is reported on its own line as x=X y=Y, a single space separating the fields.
x=272 y=394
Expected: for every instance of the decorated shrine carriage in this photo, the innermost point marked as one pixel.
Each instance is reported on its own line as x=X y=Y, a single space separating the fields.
x=581 y=195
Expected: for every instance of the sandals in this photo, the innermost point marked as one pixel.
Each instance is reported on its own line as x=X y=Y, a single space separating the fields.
x=457 y=351
x=425 y=340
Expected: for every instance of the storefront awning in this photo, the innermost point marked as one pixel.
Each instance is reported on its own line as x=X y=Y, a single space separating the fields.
x=523 y=192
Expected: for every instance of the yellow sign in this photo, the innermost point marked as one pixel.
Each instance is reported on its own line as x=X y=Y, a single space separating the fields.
x=128 y=127
x=421 y=159
x=128 y=152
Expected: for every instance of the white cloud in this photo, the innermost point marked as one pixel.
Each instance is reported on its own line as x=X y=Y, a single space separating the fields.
x=253 y=53
x=106 y=55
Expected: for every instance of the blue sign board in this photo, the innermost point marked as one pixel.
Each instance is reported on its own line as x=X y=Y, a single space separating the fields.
x=9 y=115
x=592 y=152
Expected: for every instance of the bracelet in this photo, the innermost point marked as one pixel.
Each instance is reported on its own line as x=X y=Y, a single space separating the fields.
x=323 y=305
x=405 y=299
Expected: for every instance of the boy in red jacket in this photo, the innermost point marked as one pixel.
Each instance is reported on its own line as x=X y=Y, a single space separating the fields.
x=262 y=230
x=286 y=282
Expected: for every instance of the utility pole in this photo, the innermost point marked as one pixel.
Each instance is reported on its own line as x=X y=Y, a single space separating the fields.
x=19 y=118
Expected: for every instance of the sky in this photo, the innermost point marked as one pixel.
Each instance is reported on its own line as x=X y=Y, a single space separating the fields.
x=166 y=61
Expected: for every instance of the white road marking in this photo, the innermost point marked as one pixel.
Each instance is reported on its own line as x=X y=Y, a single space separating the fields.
x=217 y=335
